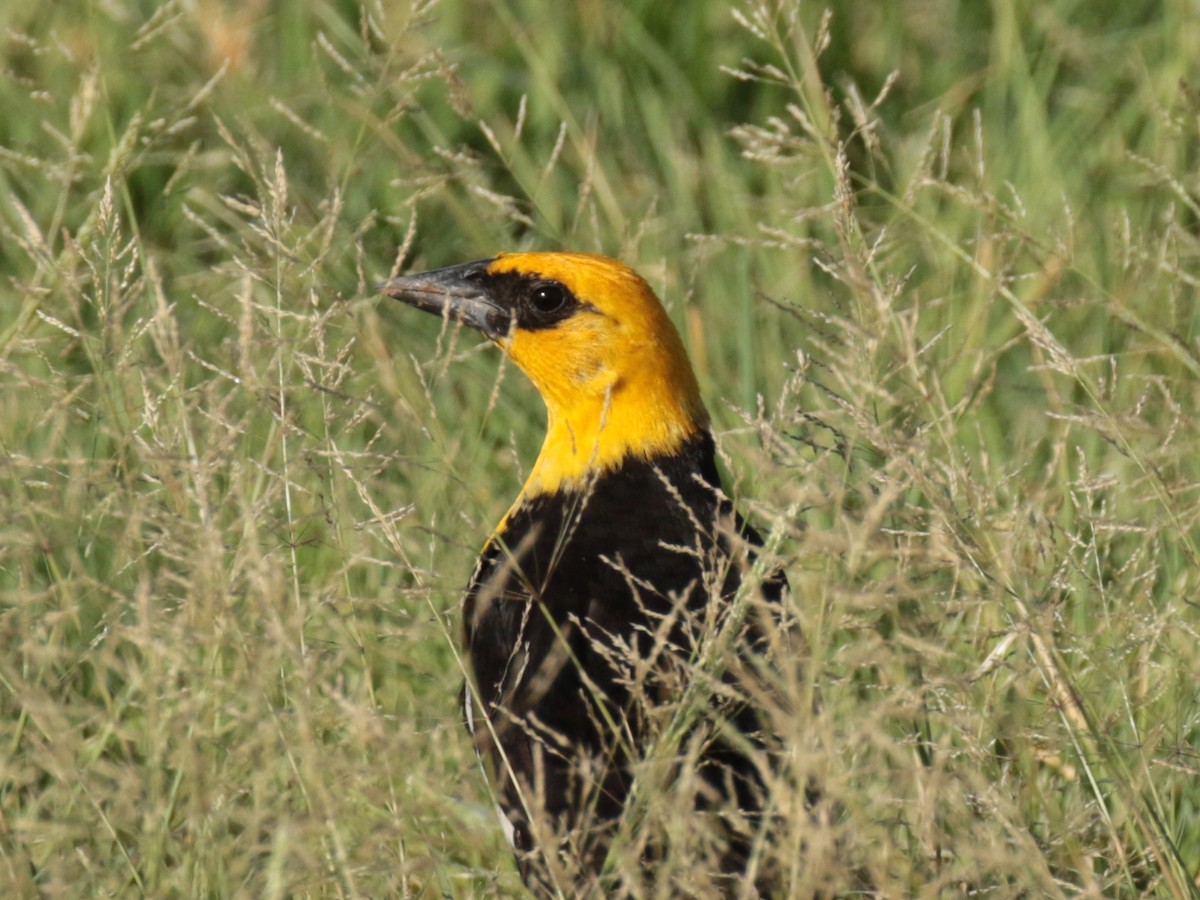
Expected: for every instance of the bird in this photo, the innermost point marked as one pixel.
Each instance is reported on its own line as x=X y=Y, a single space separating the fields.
x=591 y=599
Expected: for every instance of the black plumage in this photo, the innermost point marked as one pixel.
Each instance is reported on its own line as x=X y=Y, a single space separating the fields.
x=575 y=588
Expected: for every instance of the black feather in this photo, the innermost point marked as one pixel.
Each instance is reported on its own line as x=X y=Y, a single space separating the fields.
x=574 y=587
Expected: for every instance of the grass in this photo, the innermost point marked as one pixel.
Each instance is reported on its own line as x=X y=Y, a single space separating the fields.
x=936 y=263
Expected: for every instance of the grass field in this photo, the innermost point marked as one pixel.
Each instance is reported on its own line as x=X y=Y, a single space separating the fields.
x=937 y=264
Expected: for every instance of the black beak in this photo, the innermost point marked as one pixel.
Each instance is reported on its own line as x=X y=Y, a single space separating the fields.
x=458 y=293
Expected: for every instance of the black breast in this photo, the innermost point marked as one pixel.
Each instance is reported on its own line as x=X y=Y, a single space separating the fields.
x=577 y=588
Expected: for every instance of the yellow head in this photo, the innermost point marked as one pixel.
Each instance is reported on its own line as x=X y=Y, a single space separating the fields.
x=594 y=340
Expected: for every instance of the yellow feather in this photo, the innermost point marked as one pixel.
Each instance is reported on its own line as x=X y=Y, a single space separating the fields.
x=615 y=378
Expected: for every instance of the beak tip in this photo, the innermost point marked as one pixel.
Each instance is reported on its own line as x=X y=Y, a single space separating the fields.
x=452 y=293
x=394 y=287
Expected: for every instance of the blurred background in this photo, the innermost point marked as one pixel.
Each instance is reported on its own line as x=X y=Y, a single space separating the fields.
x=936 y=264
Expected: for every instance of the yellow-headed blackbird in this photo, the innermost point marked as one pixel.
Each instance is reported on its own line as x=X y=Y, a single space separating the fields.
x=590 y=599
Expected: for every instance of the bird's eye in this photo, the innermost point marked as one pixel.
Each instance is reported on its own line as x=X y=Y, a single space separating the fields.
x=549 y=298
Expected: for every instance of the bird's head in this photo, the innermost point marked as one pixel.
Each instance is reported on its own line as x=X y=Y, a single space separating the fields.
x=595 y=341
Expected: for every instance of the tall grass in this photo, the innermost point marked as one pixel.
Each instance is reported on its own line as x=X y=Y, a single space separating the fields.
x=936 y=264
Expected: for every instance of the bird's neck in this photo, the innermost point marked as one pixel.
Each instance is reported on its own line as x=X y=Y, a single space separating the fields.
x=643 y=418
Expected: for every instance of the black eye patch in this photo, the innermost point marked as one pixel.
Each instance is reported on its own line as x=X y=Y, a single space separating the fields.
x=536 y=302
